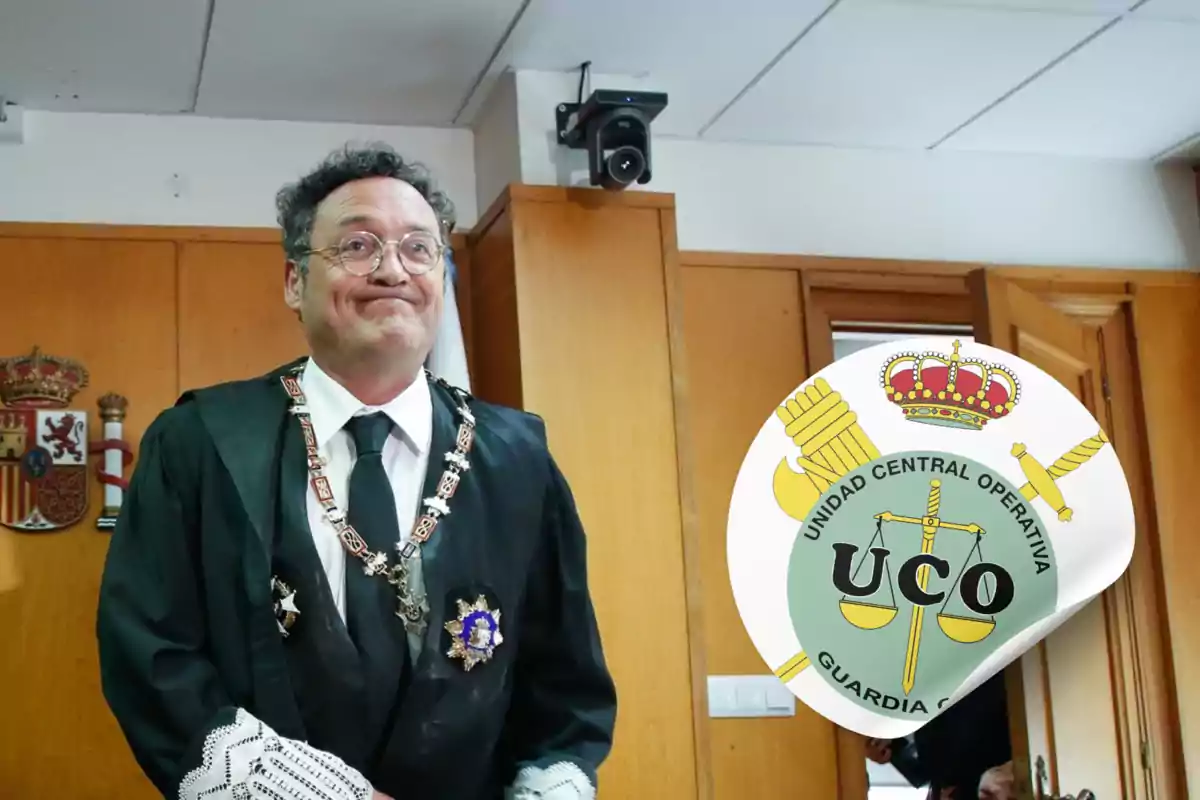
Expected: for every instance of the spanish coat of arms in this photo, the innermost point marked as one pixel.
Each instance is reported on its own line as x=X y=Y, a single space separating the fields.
x=43 y=443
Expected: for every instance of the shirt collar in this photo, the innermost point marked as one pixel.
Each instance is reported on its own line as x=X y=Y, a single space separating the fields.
x=331 y=405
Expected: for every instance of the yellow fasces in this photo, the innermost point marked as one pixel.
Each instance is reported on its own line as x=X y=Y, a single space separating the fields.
x=831 y=444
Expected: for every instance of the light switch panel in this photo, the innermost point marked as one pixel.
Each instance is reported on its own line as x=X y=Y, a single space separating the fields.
x=749 y=696
x=780 y=700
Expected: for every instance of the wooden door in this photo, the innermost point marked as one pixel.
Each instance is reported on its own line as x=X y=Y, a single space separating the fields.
x=744 y=336
x=109 y=305
x=1068 y=717
x=1167 y=320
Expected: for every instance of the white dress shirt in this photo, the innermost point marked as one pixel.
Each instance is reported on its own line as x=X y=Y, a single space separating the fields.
x=405 y=459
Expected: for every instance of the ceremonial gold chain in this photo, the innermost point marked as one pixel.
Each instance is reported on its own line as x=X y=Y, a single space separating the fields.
x=413 y=607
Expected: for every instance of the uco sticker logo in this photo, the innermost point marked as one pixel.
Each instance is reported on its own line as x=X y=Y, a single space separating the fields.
x=914 y=536
x=915 y=517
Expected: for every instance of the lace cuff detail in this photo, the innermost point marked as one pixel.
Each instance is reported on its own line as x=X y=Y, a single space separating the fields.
x=249 y=761
x=560 y=781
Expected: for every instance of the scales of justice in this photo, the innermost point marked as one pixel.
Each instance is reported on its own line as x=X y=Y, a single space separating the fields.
x=873 y=616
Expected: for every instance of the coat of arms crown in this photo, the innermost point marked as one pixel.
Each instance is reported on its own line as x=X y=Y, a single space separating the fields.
x=950 y=389
x=38 y=380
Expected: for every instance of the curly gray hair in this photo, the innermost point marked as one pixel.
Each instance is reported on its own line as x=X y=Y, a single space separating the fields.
x=296 y=203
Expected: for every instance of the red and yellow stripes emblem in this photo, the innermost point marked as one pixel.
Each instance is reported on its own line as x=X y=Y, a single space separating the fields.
x=17 y=495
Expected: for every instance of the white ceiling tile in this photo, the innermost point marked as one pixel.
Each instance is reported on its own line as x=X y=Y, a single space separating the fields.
x=369 y=61
x=1093 y=7
x=1186 y=10
x=701 y=58
x=876 y=73
x=118 y=55
x=1130 y=93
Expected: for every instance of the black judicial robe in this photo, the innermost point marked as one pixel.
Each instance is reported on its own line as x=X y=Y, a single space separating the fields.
x=956 y=747
x=187 y=633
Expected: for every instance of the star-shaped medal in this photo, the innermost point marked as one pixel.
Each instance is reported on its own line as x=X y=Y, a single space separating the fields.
x=475 y=635
x=285 y=606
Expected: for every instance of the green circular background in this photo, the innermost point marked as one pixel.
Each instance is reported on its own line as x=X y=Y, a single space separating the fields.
x=900 y=483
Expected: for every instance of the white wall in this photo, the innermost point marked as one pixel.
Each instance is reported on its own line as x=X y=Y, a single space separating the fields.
x=497 y=143
x=128 y=169
x=940 y=206
x=158 y=170
x=926 y=205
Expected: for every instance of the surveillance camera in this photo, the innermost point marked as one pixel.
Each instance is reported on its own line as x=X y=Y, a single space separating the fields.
x=614 y=127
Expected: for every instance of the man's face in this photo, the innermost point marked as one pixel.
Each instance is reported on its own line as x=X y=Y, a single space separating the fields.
x=388 y=311
x=998 y=783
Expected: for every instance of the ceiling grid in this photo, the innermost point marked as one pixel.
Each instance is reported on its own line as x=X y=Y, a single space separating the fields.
x=1089 y=78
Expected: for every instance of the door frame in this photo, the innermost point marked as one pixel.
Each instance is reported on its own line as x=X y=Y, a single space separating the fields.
x=905 y=291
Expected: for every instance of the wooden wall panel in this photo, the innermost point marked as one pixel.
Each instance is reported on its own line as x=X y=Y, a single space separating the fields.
x=1167 y=324
x=111 y=306
x=744 y=336
x=233 y=323
x=154 y=310
x=1147 y=684
x=873 y=290
x=595 y=363
x=496 y=349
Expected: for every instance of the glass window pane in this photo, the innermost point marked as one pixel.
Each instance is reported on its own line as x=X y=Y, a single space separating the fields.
x=847 y=342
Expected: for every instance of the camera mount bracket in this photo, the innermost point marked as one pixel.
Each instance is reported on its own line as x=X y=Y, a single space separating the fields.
x=573 y=139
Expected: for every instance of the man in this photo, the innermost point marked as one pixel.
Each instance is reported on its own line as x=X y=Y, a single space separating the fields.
x=346 y=578
x=955 y=748
x=998 y=783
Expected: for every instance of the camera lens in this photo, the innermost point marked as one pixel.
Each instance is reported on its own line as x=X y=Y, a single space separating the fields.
x=625 y=165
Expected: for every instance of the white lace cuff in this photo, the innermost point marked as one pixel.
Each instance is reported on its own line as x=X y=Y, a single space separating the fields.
x=560 y=781
x=249 y=761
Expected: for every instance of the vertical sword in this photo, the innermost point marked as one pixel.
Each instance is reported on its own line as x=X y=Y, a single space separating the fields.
x=929 y=526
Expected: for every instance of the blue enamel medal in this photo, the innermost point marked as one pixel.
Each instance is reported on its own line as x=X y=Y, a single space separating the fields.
x=475 y=635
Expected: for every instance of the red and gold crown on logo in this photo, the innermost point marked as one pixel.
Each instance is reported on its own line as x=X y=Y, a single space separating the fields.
x=40 y=381
x=950 y=391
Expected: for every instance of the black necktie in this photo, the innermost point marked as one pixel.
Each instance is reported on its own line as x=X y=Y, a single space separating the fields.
x=370 y=600
x=372 y=504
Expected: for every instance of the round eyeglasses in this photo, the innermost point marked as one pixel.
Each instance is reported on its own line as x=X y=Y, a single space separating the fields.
x=361 y=252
